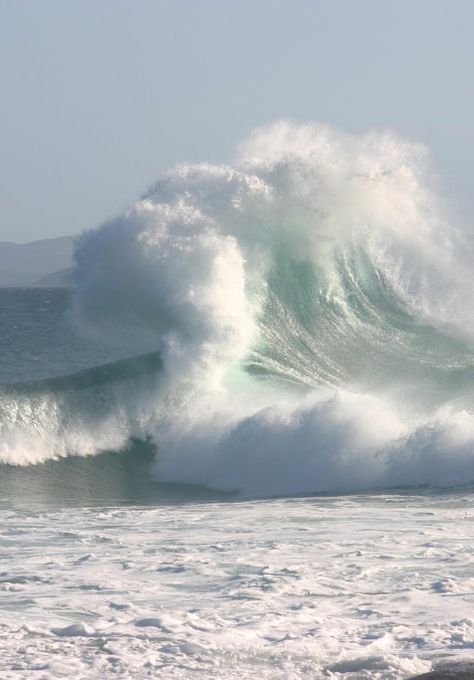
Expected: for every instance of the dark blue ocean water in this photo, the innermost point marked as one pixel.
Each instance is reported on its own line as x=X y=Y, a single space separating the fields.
x=38 y=338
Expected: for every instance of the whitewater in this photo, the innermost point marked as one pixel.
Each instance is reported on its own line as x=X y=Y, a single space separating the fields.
x=242 y=444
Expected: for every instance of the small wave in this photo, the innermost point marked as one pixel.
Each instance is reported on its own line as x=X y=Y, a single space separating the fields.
x=93 y=410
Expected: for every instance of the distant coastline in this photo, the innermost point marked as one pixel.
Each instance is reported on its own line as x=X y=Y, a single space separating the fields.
x=44 y=263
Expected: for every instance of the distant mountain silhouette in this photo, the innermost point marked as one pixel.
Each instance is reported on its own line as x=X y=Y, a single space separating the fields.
x=29 y=264
x=63 y=278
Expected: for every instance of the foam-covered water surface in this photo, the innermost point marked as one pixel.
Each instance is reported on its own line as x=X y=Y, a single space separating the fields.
x=353 y=587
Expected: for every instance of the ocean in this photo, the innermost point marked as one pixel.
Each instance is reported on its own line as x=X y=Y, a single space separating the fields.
x=241 y=445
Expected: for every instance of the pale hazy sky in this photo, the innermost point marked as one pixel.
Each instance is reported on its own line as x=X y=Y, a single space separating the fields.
x=100 y=96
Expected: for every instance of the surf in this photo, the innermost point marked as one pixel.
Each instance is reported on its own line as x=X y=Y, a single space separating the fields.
x=297 y=321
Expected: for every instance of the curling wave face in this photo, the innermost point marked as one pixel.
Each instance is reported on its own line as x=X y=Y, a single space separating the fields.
x=300 y=322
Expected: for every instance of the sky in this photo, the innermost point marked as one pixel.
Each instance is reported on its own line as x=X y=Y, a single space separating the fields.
x=99 y=97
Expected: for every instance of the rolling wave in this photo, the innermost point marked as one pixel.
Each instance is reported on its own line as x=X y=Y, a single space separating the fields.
x=298 y=321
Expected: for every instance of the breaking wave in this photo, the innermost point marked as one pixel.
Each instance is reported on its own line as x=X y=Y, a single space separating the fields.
x=299 y=321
